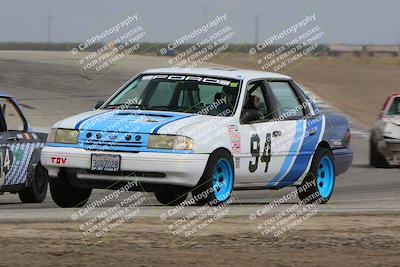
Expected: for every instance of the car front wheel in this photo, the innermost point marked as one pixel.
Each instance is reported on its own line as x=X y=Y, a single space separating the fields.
x=66 y=195
x=171 y=197
x=376 y=159
x=37 y=190
x=216 y=184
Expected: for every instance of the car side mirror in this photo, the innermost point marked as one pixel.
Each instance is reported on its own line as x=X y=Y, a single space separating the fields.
x=249 y=115
x=99 y=104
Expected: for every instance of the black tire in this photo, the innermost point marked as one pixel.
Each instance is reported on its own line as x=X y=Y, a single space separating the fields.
x=308 y=191
x=376 y=159
x=204 y=193
x=67 y=196
x=37 y=190
x=171 y=197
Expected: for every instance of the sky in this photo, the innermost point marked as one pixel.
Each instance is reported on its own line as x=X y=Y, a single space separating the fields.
x=349 y=22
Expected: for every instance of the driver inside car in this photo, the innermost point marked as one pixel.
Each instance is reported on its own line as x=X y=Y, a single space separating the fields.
x=253 y=103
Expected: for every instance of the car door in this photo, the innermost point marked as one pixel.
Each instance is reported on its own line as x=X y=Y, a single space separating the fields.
x=16 y=144
x=300 y=126
x=266 y=142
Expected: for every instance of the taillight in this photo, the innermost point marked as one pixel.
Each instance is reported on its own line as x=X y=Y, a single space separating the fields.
x=347 y=138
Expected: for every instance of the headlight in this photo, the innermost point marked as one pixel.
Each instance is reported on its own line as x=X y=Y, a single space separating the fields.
x=173 y=142
x=64 y=136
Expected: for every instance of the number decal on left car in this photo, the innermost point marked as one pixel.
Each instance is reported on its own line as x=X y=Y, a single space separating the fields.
x=6 y=158
x=255 y=152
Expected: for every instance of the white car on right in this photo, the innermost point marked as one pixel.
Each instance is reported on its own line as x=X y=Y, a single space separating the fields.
x=385 y=135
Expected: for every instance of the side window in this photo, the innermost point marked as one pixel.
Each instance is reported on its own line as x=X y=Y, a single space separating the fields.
x=289 y=105
x=255 y=93
x=12 y=118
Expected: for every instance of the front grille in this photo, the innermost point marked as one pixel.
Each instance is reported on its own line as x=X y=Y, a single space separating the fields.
x=113 y=141
x=111 y=144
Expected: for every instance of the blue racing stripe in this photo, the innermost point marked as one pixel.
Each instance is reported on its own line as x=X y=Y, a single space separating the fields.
x=298 y=138
x=165 y=123
x=306 y=152
x=86 y=119
x=129 y=121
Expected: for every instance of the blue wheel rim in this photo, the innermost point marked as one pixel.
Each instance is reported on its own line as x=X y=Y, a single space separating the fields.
x=222 y=181
x=325 y=177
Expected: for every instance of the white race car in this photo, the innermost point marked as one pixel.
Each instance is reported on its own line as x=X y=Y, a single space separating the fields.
x=206 y=131
x=385 y=135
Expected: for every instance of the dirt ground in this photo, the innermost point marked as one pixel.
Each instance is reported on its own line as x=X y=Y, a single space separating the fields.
x=324 y=240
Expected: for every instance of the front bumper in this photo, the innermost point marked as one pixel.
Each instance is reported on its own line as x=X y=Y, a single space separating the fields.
x=175 y=169
x=390 y=148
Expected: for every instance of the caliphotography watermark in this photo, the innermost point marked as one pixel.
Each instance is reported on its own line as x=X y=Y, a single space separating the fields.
x=290 y=45
x=281 y=216
x=122 y=122
x=187 y=221
x=104 y=215
x=203 y=43
x=104 y=48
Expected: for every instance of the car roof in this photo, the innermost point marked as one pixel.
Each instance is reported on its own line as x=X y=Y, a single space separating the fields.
x=389 y=99
x=232 y=73
x=5 y=95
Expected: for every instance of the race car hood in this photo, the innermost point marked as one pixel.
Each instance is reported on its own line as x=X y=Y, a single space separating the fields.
x=395 y=119
x=391 y=127
x=133 y=121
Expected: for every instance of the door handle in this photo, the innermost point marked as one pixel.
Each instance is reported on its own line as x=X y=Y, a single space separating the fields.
x=312 y=131
x=277 y=133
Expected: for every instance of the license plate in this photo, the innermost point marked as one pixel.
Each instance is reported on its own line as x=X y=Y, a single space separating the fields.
x=104 y=162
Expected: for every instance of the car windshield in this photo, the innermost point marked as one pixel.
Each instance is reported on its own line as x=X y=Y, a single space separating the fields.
x=395 y=107
x=189 y=94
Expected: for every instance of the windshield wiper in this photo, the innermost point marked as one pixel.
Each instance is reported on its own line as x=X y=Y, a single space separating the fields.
x=161 y=108
x=138 y=106
x=195 y=109
x=130 y=106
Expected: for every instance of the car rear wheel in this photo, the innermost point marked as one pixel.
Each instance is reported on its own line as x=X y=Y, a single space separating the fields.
x=216 y=184
x=66 y=195
x=37 y=190
x=171 y=197
x=320 y=180
x=376 y=159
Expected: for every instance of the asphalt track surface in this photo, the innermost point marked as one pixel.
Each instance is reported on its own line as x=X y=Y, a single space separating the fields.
x=48 y=98
x=360 y=190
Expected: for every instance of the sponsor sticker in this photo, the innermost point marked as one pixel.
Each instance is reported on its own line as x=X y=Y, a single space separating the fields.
x=234 y=137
